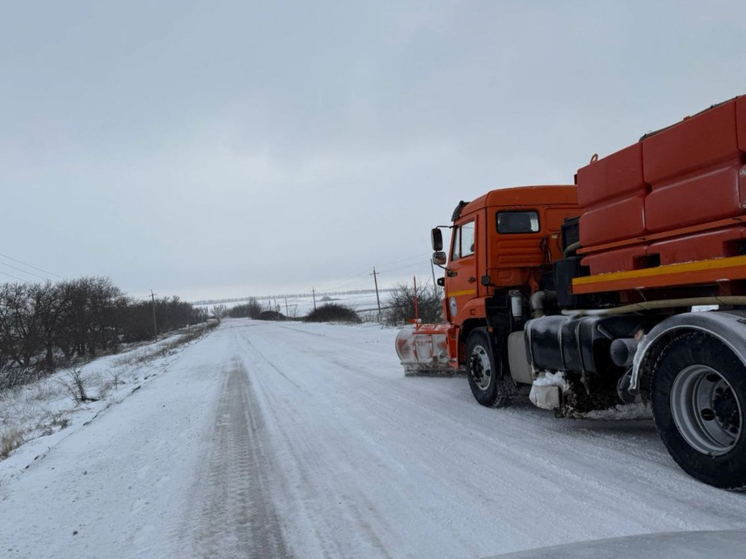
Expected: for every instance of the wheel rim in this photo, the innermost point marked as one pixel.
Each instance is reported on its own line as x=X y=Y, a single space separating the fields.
x=705 y=410
x=480 y=368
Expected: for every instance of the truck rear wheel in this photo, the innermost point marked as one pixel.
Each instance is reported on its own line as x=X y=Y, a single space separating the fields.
x=699 y=399
x=486 y=379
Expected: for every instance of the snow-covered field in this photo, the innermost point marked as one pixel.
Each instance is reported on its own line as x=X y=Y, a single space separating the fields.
x=306 y=440
x=299 y=306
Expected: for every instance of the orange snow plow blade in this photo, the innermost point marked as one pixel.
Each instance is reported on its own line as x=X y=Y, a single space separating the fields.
x=423 y=349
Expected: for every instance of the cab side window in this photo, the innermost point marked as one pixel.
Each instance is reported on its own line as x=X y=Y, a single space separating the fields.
x=456 y=246
x=512 y=222
x=463 y=241
x=467 y=239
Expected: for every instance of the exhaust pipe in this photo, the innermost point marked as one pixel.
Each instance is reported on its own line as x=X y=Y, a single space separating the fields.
x=539 y=300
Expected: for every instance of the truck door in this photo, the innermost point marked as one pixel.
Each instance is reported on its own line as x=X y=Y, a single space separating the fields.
x=461 y=272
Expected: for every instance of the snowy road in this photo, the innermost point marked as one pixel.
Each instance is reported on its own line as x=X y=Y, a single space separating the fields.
x=293 y=440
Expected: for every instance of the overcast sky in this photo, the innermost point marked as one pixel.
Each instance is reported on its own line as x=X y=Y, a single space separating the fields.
x=230 y=148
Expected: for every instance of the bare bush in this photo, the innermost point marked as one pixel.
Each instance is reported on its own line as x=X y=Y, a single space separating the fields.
x=10 y=440
x=114 y=377
x=271 y=315
x=53 y=422
x=61 y=420
x=402 y=308
x=333 y=312
x=74 y=383
x=251 y=309
x=113 y=380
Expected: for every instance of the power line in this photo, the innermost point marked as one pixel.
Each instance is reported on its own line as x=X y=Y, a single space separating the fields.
x=358 y=283
x=420 y=263
x=12 y=276
x=359 y=278
x=422 y=255
x=30 y=266
x=24 y=271
x=342 y=284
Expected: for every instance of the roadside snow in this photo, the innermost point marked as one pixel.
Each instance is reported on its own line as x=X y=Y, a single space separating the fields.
x=46 y=411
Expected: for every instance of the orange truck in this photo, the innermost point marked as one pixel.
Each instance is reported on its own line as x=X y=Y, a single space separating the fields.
x=628 y=287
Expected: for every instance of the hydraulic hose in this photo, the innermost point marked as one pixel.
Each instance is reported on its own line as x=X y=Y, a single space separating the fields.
x=662 y=304
x=569 y=249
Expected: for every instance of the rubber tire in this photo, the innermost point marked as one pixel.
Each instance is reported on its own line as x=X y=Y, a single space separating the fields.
x=500 y=391
x=729 y=470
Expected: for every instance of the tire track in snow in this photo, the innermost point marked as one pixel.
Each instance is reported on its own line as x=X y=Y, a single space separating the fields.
x=268 y=362
x=506 y=450
x=237 y=517
x=307 y=461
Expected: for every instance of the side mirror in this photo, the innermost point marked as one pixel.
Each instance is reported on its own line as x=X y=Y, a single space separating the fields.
x=437 y=239
x=439 y=258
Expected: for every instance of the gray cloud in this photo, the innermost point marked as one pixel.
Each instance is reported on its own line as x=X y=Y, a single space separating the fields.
x=238 y=148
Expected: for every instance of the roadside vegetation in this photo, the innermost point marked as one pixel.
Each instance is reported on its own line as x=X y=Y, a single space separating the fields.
x=45 y=326
x=401 y=305
x=333 y=312
x=250 y=309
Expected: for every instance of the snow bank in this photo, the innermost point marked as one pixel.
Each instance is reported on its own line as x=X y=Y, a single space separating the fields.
x=46 y=411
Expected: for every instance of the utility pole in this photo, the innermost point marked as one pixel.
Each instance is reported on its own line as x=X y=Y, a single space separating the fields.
x=378 y=299
x=313 y=292
x=416 y=315
x=187 y=309
x=286 y=307
x=155 y=325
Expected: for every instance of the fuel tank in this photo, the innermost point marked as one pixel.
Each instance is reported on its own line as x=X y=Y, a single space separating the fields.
x=579 y=344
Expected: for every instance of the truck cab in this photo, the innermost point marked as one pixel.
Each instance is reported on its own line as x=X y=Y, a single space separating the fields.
x=503 y=245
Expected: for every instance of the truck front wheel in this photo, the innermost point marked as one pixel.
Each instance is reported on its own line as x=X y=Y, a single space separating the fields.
x=699 y=399
x=486 y=379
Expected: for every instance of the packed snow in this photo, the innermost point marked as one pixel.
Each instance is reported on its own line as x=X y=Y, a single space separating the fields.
x=306 y=440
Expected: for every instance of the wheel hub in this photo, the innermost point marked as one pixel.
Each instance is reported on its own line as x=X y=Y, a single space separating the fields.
x=705 y=410
x=480 y=368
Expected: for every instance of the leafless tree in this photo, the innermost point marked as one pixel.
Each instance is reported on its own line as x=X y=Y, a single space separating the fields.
x=402 y=308
x=47 y=324
x=219 y=312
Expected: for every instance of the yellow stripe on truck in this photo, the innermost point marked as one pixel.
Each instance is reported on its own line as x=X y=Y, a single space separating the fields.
x=717 y=263
x=459 y=293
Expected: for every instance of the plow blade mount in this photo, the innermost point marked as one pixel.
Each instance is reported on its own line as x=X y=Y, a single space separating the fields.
x=423 y=349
